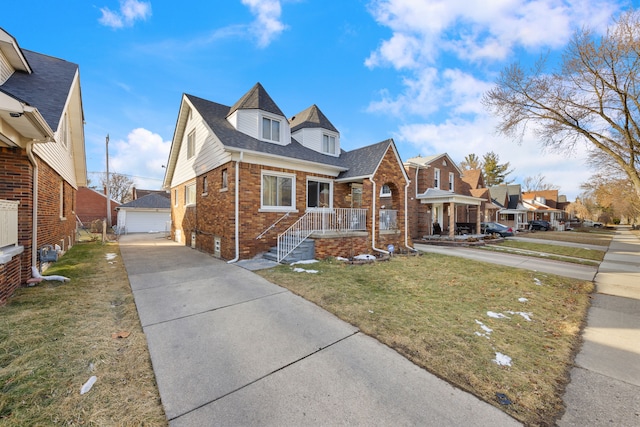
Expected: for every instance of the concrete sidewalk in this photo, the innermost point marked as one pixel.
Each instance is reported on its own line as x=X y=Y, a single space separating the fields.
x=605 y=382
x=230 y=348
x=576 y=271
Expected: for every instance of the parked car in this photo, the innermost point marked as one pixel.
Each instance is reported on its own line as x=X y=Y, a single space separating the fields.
x=589 y=223
x=496 y=228
x=539 y=224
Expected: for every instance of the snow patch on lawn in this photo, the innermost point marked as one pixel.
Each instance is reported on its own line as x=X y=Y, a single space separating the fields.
x=502 y=359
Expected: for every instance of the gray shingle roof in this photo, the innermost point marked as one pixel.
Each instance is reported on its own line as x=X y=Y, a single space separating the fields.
x=256 y=98
x=150 y=201
x=215 y=115
x=312 y=117
x=364 y=161
x=46 y=88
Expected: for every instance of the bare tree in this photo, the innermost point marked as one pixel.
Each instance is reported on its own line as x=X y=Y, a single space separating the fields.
x=613 y=195
x=592 y=97
x=537 y=183
x=471 y=161
x=119 y=186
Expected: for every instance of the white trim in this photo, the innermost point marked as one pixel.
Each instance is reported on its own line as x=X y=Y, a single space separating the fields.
x=437 y=178
x=384 y=193
x=270 y=208
x=452 y=181
x=318 y=179
x=272 y=118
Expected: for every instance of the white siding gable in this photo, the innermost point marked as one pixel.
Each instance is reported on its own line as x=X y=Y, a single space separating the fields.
x=312 y=138
x=209 y=153
x=249 y=122
x=6 y=70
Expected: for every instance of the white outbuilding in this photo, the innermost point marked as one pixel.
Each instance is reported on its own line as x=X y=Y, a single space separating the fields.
x=148 y=214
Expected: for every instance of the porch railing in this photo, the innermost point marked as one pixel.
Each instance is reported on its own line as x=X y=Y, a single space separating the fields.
x=320 y=221
x=8 y=223
x=388 y=219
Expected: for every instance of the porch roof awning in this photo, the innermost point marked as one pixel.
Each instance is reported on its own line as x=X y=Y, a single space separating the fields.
x=434 y=195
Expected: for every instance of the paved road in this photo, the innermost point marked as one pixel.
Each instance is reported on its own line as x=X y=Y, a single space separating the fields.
x=229 y=348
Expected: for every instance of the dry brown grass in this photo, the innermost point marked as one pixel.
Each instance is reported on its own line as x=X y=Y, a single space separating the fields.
x=54 y=337
x=426 y=308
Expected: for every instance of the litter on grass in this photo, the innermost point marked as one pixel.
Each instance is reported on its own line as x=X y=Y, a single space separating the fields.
x=502 y=359
x=302 y=270
x=87 y=386
x=496 y=315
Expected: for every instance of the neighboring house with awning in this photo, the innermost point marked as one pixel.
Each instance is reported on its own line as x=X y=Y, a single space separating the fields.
x=512 y=212
x=440 y=201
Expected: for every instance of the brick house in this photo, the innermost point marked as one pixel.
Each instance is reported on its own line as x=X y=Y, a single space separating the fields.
x=244 y=178
x=511 y=212
x=42 y=157
x=91 y=205
x=440 y=202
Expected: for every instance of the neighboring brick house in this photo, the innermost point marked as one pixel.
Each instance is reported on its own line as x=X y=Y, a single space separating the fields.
x=473 y=184
x=245 y=178
x=546 y=205
x=42 y=157
x=91 y=205
x=440 y=202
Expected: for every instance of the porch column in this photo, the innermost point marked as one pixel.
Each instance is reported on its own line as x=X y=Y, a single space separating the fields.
x=478 y=219
x=452 y=220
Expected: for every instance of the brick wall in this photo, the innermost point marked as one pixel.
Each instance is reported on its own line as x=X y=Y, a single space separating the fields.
x=16 y=184
x=93 y=205
x=346 y=247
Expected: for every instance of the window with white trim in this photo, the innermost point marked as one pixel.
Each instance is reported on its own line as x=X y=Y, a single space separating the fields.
x=452 y=179
x=205 y=185
x=191 y=144
x=278 y=191
x=318 y=194
x=436 y=178
x=385 y=191
x=328 y=144
x=225 y=179
x=270 y=129
x=190 y=194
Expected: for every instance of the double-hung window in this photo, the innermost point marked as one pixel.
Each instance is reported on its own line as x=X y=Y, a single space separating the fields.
x=270 y=129
x=436 y=178
x=318 y=194
x=328 y=144
x=278 y=191
x=451 y=181
x=385 y=191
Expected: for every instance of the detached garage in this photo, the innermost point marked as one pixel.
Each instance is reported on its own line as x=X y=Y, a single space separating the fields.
x=148 y=214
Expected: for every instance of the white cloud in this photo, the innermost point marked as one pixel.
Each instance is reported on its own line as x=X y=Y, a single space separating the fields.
x=141 y=156
x=130 y=11
x=267 y=25
x=488 y=30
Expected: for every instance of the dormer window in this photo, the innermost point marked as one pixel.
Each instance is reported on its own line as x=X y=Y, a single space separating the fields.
x=270 y=129
x=328 y=144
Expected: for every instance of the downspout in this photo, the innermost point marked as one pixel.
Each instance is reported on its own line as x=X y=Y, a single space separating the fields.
x=237 y=210
x=373 y=221
x=34 y=213
x=406 y=214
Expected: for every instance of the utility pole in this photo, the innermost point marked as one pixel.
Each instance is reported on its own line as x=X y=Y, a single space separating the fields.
x=108 y=189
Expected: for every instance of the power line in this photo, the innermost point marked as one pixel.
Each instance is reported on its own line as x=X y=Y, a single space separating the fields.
x=127 y=175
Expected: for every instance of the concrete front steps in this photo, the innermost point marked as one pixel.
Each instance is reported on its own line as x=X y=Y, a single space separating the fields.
x=306 y=250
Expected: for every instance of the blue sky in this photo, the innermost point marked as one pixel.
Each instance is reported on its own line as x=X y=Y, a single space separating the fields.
x=412 y=70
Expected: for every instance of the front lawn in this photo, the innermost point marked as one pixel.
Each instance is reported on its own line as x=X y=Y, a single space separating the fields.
x=55 y=336
x=484 y=328
x=549 y=251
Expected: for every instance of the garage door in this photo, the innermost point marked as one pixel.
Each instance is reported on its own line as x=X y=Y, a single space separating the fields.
x=145 y=222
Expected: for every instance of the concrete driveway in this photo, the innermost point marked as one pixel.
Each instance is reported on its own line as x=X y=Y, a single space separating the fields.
x=230 y=348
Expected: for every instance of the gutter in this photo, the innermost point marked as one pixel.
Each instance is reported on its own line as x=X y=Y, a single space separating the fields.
x=237 y=210
x=373 y=220
x=406 y=214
